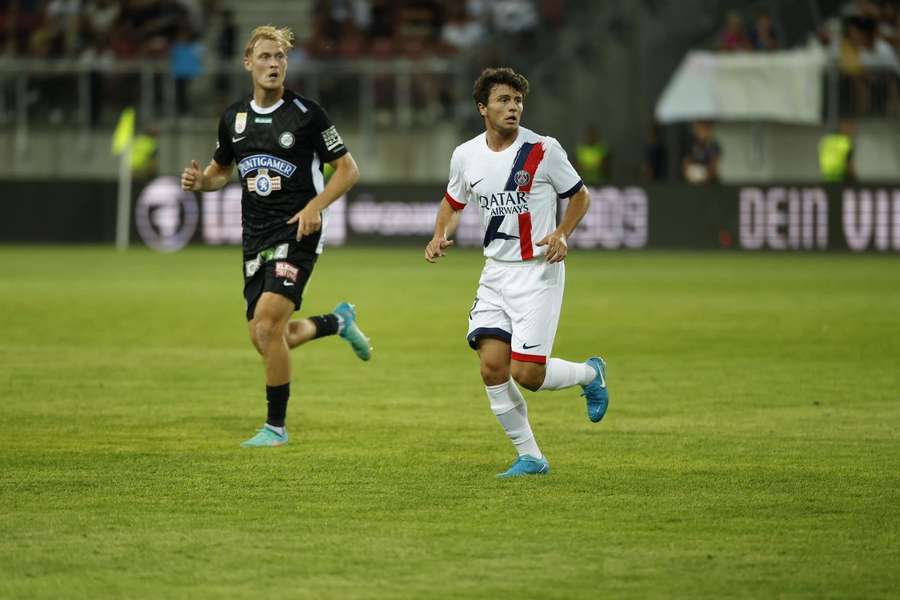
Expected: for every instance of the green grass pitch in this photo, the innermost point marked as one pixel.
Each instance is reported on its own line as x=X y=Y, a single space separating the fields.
x=751 y=449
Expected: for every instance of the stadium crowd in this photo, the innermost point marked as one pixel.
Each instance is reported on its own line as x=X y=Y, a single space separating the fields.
x=119 y=29
x=387 y=28
x=341 y=28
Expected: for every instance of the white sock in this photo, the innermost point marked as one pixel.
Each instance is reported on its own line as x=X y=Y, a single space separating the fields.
x=278 y=430
x=509 y=406
x=563 y=374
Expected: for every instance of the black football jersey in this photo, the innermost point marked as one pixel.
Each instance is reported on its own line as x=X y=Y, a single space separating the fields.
x=279 y=152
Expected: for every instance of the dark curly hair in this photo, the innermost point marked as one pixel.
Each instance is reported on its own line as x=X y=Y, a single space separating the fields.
x=490 y=77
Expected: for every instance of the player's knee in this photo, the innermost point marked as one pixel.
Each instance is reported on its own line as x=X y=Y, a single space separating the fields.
x=530 y=376
x=264 y=331
x=494 y=373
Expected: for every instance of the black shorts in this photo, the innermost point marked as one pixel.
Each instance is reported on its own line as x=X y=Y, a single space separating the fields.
x=282 y=269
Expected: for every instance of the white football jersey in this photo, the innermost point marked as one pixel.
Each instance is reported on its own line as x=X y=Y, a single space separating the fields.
x=516 y=189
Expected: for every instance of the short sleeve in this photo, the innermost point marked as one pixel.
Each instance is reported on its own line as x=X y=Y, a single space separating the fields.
x=456 y=187
x=224 y=152
x=562 y=175
x=327 y=141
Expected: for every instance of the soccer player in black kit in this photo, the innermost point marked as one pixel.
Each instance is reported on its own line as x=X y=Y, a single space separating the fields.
x=280 y=141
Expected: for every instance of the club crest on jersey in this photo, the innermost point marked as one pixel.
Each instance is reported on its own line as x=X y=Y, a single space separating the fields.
x=522 y=177
x=240 y=122
x=263 y=184
x=286 y=139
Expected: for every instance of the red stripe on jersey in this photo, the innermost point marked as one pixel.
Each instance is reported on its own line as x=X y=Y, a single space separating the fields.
x=532 y=358
x=531 y=165
x=525 y=236
x=453 y=203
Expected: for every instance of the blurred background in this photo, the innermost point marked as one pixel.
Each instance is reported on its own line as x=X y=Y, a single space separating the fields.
x=773 y=122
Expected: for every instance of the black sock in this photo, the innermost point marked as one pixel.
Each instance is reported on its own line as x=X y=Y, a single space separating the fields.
x=277 y=395
x=325 y=325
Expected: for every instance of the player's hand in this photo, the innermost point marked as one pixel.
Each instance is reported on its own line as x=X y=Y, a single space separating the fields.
x=308 y=220
x=192 y=178
x=557 y=248
x=435 y=248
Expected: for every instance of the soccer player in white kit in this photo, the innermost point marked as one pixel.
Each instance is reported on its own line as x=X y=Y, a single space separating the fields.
x=515 y=177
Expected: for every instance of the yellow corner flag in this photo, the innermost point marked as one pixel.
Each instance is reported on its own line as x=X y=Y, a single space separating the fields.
x=124 y=131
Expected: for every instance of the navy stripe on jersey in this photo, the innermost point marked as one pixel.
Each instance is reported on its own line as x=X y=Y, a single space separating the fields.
x=572 y=191
x=492 y=232
x=518 y=163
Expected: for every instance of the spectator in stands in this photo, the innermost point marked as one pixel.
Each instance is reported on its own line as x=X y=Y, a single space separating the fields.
x=99 y=18
x=701 y=164
x=656 y=158
x=592 y=158
x=763 y=37
x=461 y=31
x=226 y=47
x=185 y=63
x=417 y=28
x=733 y=37
x=836 y=154
x=514 y=16
x=889 y=24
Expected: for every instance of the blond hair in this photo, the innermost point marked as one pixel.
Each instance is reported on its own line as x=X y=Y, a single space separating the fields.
x=283 y=37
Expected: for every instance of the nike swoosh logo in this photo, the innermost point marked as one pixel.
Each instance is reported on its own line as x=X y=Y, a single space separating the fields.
x=477 y=182
x=235 y=140
x=527 y=347
x=287 y=284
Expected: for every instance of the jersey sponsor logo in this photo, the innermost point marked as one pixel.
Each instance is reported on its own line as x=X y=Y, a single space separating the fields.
x=240 y=122
x=263 y=184
x=266 y=161
x=286 y=139
x=332 y=138
x=285 y=270
x=504 y=203
x=252 y=266
x=522 y=177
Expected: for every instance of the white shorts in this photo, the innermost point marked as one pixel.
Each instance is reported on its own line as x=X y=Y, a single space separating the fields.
x=519 y=303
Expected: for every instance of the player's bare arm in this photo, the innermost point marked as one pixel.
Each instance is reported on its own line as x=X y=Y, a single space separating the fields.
x=345 y=176
x=557 y=246
x=445 y=225
x=213 y=177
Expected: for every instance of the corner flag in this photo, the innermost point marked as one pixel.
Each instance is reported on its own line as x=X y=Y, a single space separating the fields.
x=121 y=145
x=124 y=132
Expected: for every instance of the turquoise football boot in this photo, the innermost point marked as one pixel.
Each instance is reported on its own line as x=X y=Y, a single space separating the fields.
x=351 y=331
x=266 y=438
x=526 y=465
x=595 y=392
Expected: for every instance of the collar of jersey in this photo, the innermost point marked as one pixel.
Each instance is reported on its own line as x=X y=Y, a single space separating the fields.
x=514 y=144
x=269 y=109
